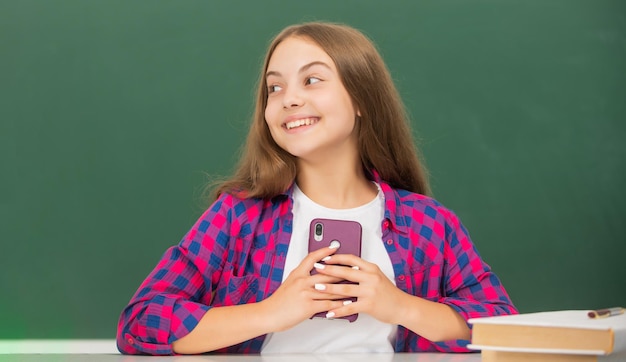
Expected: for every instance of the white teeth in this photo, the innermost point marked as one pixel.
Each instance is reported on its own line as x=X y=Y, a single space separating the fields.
x=300 y=122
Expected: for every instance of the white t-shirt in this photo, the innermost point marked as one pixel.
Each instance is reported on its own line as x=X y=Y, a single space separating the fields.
x=366 y=334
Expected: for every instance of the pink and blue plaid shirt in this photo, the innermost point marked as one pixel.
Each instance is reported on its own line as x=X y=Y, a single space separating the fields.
x=235 y=254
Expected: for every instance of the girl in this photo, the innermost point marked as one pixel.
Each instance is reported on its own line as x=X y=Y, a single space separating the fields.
x=329 y=139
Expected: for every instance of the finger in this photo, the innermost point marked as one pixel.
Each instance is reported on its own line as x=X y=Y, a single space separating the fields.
x=325 y=279
x=320 y=295
x=348 y=259
x=306 y=265
x=342 y=290
x=341 y=272
x=347 y=307
x=322 y=253
x=326 y=305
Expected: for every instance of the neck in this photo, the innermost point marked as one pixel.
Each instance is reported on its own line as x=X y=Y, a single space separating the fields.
x=334 y=185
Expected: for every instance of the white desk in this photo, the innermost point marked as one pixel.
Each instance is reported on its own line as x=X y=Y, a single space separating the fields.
x=105 y=351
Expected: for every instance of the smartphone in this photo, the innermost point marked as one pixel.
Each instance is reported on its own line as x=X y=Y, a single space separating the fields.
x=323 y=232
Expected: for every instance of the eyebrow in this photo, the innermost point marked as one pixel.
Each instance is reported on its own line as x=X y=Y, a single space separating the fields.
x=304 y=68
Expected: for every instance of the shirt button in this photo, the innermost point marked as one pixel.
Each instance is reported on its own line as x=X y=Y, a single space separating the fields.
x=386 y=224
x=401 y=278
x=130 y=341
x=389 y=242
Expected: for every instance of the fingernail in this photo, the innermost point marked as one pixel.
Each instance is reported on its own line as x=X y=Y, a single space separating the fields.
x=356 y=268
x=334 y=244
x=346 y=302
x=330 y=314
x=319 y=266
x=320 y=287
x=326 y=258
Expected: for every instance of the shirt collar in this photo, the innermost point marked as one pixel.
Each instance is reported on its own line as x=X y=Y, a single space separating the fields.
x=393 y=209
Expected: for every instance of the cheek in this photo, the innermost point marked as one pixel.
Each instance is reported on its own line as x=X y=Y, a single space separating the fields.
x=271 y=113
x=340 y=103
x=271 y=120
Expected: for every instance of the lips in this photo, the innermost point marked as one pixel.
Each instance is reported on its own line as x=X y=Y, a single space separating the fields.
x=301 y=122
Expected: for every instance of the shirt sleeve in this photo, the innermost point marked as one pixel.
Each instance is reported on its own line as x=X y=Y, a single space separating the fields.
x=470 y=287
x=175 y=296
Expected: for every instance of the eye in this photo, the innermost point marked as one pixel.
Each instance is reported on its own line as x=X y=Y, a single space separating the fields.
x=312 y=80
x=273 y=88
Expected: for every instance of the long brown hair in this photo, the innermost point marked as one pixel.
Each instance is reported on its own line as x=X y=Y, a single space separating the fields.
x=385 y=141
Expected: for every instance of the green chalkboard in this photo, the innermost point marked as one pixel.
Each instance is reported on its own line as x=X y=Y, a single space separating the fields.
x=113 y=113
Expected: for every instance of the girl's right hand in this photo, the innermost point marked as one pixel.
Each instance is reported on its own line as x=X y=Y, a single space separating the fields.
x=297 y=299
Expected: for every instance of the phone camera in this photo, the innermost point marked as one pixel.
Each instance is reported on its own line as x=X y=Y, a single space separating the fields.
x=319 y=231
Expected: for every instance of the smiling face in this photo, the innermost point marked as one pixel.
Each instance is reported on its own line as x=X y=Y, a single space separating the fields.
x=309 y=112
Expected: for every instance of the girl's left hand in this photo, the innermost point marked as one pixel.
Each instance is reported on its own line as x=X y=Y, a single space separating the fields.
x=377 y=295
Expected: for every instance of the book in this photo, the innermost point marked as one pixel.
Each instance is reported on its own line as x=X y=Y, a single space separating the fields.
x=566 y=335
x=516 y=356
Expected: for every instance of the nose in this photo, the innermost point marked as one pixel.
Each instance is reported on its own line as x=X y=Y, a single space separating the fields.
x=292 y=98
